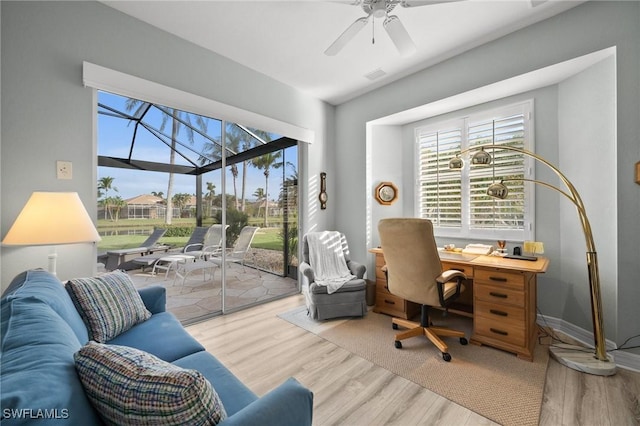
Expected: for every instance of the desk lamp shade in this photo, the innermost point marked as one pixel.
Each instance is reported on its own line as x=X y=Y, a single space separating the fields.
x=52 y=218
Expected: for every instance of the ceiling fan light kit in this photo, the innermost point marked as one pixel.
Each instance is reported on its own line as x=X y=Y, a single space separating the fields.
x=392 y=24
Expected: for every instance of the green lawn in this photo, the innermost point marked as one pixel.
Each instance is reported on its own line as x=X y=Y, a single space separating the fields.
x=266 y=238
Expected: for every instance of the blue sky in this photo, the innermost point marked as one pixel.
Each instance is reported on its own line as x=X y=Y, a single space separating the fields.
x=114 y=139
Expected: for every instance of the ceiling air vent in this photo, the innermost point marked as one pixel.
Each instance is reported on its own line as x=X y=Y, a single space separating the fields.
x=375 y=74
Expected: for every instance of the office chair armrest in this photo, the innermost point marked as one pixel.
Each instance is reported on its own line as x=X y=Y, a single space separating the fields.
x=356 y=268
x=450 y=275
x=444 y=278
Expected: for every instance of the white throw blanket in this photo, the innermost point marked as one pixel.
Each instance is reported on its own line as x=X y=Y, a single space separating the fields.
x=327 y=260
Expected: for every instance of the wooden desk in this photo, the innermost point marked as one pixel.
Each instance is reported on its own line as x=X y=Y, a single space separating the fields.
x=503 y=302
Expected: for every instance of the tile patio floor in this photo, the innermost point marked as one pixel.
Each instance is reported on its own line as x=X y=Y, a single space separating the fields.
x=201 y=297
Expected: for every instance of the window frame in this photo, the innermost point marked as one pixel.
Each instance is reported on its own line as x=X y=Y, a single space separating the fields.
x=463 y=122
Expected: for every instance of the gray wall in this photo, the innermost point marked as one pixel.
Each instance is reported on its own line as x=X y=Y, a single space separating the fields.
x=49 y=115
x=586 y=153
x=574 y=33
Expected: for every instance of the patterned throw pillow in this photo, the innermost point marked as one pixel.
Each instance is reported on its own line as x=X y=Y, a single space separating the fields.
x=132 y=387
x=109 y=304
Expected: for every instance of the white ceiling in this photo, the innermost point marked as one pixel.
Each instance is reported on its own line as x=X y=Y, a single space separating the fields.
x=286 y=40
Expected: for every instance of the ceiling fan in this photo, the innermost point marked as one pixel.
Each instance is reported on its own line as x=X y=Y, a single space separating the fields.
x=381 y=9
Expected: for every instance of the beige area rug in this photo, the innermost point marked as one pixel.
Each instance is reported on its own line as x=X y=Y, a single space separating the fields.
x=493 y=383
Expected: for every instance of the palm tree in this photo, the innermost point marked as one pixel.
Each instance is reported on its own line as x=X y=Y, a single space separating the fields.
x=290 y=181
x=116 y=203
x=181 y=200
x=235 y=136
x=265 y=163
x=259 y=194
x=106 y=184
x=209 y=196
x=177 y=118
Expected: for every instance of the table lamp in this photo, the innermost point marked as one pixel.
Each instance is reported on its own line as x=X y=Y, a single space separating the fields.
x=52 y=218
x=597 y=363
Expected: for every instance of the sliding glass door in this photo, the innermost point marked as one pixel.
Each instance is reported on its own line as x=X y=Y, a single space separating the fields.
x=162 y=167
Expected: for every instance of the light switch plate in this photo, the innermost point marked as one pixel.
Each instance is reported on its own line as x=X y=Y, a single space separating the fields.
x=64 y=170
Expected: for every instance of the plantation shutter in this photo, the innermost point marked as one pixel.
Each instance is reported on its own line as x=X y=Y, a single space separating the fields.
x=441 y=197
x=486 y=212
x=456 y=200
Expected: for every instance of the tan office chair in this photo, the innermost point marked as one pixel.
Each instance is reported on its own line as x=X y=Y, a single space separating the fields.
x=414 y=272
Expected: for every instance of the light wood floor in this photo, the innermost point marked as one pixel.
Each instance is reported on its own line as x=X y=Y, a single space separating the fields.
x=264 y=350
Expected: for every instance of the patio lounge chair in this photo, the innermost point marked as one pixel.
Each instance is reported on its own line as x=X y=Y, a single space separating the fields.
x=195 y=243
x=118 y=258
x=241 y=248
x=196 y=240
x=212 y=243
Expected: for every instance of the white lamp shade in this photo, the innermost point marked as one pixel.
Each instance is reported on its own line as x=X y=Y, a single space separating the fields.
x=52 y=218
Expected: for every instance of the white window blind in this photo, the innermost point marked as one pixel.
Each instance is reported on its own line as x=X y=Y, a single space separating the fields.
x=455 y=200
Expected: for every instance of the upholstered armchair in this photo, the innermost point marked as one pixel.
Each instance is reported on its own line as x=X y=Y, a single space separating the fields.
x=347 y=301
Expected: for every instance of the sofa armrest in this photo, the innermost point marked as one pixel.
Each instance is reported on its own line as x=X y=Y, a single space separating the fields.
x=357 y=269
x=290 y=404
x=154 y=298
x=307 y=273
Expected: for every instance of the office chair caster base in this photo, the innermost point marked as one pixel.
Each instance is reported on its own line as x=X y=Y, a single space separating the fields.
x=394 y=326
x=464 y=341
x=398 y=344
x=446 y=356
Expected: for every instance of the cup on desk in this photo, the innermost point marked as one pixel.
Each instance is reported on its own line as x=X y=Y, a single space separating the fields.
x=449 y=247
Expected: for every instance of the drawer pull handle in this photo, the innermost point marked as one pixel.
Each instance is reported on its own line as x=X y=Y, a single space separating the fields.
x=497 y=312
x=500 y=295
x=501 y=279
x=500 y=332
x=390 y=302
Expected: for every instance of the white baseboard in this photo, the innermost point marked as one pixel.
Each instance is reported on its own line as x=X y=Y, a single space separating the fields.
x=626 y=360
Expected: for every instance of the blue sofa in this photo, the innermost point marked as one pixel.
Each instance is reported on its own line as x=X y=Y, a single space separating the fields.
x=41 y=330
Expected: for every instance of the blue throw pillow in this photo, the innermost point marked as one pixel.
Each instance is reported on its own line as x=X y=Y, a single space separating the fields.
x=109 y=304
x=133 y=387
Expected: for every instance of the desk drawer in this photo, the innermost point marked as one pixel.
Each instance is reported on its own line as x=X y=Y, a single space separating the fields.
x=381 y=285
x=501 y=278
x=500 y=330
x=389 y=301
x=499 y=312
x=467 y=270
x=389 y=304
x=380 y=275
x=499 y=295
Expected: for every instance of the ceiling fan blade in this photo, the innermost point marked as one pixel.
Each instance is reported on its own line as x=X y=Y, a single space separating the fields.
x=346 y=36
x=416 y=3
x=399 y=36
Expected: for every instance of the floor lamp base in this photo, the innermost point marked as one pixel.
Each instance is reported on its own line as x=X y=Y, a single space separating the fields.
x=577 y=358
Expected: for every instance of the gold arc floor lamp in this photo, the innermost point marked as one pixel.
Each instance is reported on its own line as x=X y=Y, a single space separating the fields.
x=52 y=218
x=599 y=362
